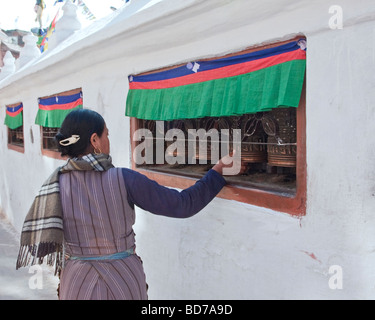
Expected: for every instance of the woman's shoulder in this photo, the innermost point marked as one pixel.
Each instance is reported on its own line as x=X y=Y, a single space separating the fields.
x=126 y=172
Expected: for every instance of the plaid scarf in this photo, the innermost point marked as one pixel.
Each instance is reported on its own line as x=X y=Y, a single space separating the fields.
x=42 y=235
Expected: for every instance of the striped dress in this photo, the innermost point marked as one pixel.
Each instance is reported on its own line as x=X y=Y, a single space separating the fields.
x=98 y=213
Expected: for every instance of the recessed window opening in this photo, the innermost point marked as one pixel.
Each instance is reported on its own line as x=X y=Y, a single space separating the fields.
x=15 y=137
x=268 y=148
x=14 y=122
x=253 y=100
x=51 y=113
x=48 y=135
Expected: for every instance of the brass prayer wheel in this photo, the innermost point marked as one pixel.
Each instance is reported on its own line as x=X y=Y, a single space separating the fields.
x=281 y=147
x=205 y=147
x=173 y=152
x=253 y=145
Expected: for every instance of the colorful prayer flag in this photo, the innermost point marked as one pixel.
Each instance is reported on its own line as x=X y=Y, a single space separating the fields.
x=52 y=111
x=14 y=116
x=235 y=85
x=50 y=31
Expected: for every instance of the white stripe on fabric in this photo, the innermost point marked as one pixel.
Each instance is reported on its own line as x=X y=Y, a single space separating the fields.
x=45 y=220
x=54 y=187
x=44 y=223
x=47 y=226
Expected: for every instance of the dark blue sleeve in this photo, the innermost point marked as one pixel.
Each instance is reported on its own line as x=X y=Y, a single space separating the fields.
x=155 y=198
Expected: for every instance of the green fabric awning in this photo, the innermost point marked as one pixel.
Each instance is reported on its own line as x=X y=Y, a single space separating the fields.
x=52 y=111
x=14 y=116
x=249 y=83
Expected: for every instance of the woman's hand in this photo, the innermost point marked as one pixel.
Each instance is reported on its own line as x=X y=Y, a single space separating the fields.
x=228 y=162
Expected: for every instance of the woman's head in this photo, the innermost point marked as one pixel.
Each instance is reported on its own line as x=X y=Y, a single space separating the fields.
x=83 y=131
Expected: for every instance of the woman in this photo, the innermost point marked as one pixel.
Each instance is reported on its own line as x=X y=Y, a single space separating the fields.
x=85 y=212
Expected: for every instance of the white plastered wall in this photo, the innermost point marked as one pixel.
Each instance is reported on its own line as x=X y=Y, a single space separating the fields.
x=230 y=250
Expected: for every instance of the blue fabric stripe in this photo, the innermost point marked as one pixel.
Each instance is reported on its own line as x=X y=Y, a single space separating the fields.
x=115 y=256
x=219 y=63
x=60 y=99
x=14 y=109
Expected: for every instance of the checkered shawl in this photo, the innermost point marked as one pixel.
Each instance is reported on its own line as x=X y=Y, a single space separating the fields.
x=42 y=235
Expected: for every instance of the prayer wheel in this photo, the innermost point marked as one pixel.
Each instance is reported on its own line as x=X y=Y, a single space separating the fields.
x=205 y=148
x=253 y=145
x=281 y=147
x=150 y=141
x=173 y=152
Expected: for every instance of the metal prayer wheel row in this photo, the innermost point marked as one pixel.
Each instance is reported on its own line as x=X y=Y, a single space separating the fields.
x=266 y=136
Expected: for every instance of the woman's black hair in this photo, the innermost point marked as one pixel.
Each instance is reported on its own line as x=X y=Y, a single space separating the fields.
x=82 y=122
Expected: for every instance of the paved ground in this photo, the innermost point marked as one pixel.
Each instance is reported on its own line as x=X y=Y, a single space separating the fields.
x=39 y=284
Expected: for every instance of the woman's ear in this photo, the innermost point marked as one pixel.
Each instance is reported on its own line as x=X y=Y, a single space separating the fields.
x=94 y=140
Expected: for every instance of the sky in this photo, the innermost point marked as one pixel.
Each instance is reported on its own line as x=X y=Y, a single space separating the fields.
x=19 y=14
